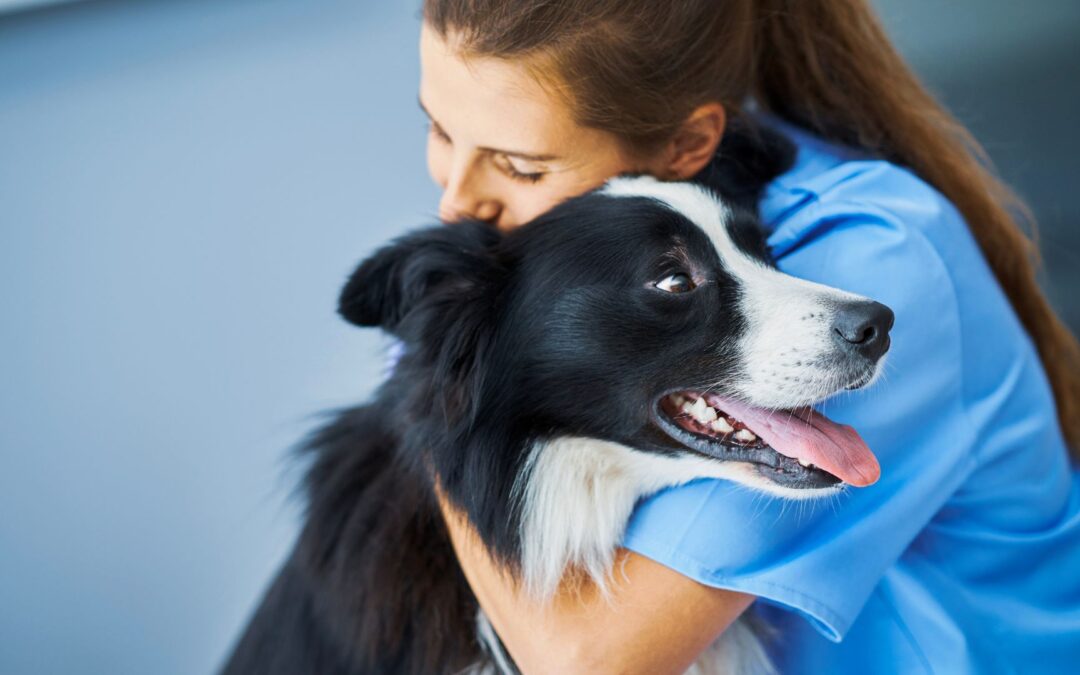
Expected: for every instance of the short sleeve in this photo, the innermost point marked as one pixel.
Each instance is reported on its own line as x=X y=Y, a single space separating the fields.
x=823 y=558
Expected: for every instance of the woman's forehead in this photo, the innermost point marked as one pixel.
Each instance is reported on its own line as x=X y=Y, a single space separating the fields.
x=496 y=103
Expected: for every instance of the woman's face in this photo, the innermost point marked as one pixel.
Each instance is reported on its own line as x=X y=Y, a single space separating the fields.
x=501 y=147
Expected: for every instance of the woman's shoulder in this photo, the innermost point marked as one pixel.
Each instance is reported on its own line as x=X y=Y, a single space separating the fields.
x=844 y=218
x=832 y=186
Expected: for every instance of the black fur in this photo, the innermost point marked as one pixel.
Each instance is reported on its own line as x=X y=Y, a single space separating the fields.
x=505 y=336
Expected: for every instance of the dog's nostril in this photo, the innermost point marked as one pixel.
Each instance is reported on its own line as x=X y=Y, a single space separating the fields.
x=864 y=327
x=859 y=336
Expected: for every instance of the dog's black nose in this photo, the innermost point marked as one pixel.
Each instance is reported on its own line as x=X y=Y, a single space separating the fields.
x=864 y=327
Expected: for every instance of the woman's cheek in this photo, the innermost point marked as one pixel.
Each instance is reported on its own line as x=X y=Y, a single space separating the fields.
x=526 y=205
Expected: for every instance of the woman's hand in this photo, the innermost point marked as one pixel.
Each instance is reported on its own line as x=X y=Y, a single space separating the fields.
x=655 y=620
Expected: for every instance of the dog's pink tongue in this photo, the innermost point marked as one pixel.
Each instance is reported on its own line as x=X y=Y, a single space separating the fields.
x=808 y=435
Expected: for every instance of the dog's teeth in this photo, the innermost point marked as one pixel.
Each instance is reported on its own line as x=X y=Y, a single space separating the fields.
x=721 y=426
x=679 y=400
x=805 y=463
x=700 y=410
x=745 y=435
x=687 y=407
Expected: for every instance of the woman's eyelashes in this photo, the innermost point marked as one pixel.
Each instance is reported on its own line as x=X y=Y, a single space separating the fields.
x=509 y=169
x=502 y=162
x=436 y=131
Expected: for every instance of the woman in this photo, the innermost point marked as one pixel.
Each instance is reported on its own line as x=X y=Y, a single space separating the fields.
x=963 y=558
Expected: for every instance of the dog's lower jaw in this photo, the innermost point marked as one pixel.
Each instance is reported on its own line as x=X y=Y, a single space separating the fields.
x=576 y=497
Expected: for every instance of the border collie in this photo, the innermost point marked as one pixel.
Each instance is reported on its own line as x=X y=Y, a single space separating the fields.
x=630 y=339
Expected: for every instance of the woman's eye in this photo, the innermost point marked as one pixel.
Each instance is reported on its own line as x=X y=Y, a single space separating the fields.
x=676 y=283
x=524 y=176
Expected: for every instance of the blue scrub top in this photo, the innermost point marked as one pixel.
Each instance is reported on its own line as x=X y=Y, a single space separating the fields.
x=965 y=556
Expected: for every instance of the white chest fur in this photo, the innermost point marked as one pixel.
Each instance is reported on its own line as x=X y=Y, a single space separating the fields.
x=577 y=495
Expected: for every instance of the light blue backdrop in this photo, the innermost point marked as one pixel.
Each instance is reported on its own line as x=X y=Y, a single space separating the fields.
x=184 y=186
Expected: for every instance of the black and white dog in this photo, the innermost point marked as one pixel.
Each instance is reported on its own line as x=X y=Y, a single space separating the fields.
x=629 y=339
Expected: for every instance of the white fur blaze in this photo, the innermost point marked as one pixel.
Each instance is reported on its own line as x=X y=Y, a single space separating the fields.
x=577 y=496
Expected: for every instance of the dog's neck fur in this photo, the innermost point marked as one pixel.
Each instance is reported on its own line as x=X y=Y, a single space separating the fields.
x=476 y=460
x=578 y=494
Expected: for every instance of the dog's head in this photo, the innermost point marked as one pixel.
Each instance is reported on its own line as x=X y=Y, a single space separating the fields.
x=644 y=313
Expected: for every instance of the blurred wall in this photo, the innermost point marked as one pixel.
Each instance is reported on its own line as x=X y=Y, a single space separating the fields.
x=183 y=188
x=1011 y=72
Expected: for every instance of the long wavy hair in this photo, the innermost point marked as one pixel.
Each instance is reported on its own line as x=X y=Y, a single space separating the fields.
x=638 y=68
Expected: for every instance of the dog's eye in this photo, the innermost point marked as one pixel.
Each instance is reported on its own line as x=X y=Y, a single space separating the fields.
x=676 y=283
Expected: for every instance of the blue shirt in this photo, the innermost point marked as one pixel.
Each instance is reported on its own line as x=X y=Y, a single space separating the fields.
x=965 y=556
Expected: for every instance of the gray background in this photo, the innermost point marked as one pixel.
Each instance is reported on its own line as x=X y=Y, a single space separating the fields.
x=183 y=188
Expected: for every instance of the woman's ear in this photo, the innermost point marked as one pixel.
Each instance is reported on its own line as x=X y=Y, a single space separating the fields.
x=695 y=143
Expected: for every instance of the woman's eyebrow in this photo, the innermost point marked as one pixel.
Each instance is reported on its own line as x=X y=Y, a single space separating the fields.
x=529 y=157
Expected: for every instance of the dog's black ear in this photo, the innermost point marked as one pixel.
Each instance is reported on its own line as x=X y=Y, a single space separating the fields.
x=750 y=156
x=450 y=258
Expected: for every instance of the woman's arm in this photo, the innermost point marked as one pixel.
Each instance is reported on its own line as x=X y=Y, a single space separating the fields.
x=656 y=621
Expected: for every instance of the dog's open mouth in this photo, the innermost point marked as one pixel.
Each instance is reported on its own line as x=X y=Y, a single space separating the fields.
x=798 y=448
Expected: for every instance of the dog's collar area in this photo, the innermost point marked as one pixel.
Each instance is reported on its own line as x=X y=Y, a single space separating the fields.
x=697 y=422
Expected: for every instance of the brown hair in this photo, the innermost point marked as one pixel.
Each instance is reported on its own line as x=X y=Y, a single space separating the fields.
x=638 y=68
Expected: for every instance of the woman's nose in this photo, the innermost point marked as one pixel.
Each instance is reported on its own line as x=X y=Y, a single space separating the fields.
x=464 y=197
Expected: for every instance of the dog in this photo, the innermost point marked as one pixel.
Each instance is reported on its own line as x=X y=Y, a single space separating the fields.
x=632 y=338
